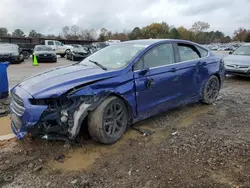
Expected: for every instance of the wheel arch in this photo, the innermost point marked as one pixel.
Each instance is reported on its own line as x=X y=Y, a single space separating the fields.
x=219 y=78
x=86 y=114
x=129 y=108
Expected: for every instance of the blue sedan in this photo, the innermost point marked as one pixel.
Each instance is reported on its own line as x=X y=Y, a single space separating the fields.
x=115 y=87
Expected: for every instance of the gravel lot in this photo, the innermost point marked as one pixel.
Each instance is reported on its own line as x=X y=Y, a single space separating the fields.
x=193 y=146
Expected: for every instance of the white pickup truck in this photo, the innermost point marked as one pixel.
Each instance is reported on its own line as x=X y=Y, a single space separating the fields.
x=60 y=48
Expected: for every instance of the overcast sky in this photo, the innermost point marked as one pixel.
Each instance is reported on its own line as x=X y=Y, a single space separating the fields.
x=49 y=16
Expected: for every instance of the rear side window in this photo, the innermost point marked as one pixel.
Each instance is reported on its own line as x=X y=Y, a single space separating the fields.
x=202 y=51
x=187 y=52
x=50 y=43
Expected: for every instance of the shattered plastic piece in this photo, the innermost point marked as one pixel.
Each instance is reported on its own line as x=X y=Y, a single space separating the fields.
x=144 y=132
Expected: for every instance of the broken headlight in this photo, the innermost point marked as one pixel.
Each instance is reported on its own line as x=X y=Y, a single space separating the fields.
x=51 y=103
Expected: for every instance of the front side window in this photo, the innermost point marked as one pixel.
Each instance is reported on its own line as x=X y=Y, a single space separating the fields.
x=159 y=56
x=187 y=52
x=115 y=56
x=243 y=50
x=58 y=43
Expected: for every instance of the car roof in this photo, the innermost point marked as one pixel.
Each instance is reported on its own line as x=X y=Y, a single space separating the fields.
x=152 y=41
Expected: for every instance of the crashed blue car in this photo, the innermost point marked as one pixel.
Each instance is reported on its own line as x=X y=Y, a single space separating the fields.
x=115 y=87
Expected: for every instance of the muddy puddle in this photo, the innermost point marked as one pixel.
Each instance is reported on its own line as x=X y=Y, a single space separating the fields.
x=83 y=158
x=194 y=113
x=5 y=128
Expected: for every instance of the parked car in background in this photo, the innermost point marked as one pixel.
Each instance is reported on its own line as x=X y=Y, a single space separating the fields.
x=44 y=54
x=238 y=62
x=115 y=87
x=58 y=47
x=10 y=53
x=100 y=45
x=77 y=54
x=75 y=45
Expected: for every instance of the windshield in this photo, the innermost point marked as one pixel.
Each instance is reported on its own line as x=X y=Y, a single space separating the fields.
x=115 y=56
x=243 y=50
x=43 y=48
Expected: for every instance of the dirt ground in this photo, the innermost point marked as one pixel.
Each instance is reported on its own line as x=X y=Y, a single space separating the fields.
x=192 y=146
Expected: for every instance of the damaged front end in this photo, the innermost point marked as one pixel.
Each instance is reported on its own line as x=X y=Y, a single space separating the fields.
x=54 y=118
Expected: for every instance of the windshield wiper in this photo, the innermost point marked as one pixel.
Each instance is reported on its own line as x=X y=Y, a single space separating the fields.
x=79 y=63
x=98 y=64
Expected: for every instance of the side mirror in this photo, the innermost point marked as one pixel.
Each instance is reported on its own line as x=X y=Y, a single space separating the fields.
x=231 y=52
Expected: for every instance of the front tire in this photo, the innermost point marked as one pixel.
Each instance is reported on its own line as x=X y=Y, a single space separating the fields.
x=108 y=122
x=211 y=90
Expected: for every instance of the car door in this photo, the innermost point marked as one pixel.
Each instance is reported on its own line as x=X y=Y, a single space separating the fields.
x=52 y=45
x=188 y=68
x=59 y=47
x=157 y=82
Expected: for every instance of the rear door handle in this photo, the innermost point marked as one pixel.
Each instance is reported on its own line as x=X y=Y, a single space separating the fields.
x=173 y=70
x=202 y=63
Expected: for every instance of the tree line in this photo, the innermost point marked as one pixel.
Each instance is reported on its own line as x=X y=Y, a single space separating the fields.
x=199 y=32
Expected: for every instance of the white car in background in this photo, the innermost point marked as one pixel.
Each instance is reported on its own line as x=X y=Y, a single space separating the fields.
x=60 y=48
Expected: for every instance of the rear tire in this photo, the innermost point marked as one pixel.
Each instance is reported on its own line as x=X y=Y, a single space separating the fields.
x=108 y=122
x=211 y=90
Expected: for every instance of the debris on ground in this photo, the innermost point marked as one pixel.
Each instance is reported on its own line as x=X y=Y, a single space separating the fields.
x=60 y=158
x=38 y=168
x=174 y=133
x=144 y=132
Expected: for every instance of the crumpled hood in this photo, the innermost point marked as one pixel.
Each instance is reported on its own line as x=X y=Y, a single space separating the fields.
x=57 y=81
x=237 y=60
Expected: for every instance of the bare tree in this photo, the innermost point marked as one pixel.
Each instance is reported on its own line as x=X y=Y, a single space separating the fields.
x=199 y=26
x=65 y=31
x=75 y=31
